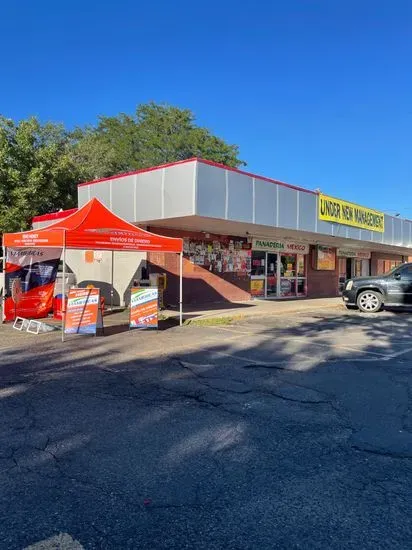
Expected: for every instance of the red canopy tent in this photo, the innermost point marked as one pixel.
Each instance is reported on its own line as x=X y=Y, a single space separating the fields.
x=95 y=227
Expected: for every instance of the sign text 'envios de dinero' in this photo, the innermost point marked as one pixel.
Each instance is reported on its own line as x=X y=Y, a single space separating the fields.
x=347 y=213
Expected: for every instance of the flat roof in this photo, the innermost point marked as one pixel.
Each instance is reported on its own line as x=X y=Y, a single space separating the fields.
x=203 y=161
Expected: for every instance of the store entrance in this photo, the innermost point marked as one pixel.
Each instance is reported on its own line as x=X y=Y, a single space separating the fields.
x=352 y=267
x=272 y=275
x=278 y=275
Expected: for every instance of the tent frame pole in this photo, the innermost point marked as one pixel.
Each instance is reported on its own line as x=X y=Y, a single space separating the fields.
x=181 y=289
x=3 y=299
x=111 y=282
x=64 y=286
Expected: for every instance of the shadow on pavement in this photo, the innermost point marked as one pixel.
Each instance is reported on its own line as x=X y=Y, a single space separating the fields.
x=215 y=439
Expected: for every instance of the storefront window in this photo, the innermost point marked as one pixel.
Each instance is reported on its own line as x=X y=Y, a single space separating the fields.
x=386 y=265
x=288 y=266
x=301 y=266
x=258 y=263
x=278 y=275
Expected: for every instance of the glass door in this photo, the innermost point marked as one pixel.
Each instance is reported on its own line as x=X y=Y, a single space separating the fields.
x=258 y=274
x=288 y=271
x=276 y=275
x=301 y=289
x=342 y=274
x=271 y=275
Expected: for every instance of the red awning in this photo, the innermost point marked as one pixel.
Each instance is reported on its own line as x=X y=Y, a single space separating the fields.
x=94 y=227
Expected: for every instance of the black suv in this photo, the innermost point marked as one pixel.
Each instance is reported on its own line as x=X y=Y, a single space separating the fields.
x=369 y=294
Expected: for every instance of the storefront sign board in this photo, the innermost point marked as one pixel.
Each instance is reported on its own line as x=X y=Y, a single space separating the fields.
x=325 y=258
x=283 y=247
x=83 y=312
x=144 y=308
x=257 y=287
x=350 y=253
x=348 y=213
x=285 y=287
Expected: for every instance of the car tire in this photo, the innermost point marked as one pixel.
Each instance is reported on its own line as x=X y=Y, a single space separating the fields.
x=369 y=301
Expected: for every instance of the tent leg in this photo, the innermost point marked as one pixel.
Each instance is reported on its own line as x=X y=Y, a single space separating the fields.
x=64 y=290
x=181 y=289
x=3 y=299
x=111 y=283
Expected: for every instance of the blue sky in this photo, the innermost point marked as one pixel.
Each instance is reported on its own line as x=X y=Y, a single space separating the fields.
x=317 y=93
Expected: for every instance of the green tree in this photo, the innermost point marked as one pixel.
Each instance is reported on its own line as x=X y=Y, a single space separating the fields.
x=155 y=135
x=41 y=164
x=37 y=173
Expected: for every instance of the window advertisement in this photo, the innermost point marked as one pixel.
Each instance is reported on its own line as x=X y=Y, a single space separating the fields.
x=257 y=286
x=325 y=258
x=288 y=275
x=258 y=274
x=223 y=255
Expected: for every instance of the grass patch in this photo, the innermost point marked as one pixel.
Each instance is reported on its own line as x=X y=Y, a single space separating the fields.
x=213 y=321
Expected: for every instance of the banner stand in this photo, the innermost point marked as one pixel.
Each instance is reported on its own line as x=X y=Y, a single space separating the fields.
x=144 y=308
x=84 y=313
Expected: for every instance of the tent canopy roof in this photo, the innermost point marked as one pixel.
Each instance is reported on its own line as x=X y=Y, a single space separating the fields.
x=94 y=227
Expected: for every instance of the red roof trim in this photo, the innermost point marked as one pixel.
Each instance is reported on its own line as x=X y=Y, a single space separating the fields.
x=54 y=215
x=203 y=161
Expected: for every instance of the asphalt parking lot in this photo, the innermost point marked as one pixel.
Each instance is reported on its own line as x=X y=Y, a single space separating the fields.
x=286 y=432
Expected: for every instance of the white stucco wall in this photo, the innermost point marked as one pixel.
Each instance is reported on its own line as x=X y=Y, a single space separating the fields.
x=127 y=267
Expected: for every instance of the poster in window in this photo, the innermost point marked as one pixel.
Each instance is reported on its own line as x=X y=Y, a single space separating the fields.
x=231 y=256
x=257 y=287
x=325 y=258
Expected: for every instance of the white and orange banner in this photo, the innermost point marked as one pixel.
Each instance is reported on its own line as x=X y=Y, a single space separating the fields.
x=36 y=271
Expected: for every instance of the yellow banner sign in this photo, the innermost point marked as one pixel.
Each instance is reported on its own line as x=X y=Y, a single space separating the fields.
x=347 y=213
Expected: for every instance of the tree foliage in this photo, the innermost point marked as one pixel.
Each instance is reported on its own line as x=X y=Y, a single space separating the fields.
x=155 y=135
x=41 y=164
x=37 y=173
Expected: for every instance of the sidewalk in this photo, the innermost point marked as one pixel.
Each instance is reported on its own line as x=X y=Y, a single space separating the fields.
x=254 y=308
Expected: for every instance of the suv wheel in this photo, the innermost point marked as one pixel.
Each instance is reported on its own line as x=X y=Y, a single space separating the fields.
x=369 y=301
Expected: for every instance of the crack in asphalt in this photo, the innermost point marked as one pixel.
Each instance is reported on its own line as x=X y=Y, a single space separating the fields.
x=158 y=396
x=382 y=452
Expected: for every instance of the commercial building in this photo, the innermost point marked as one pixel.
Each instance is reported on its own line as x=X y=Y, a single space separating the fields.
x=245 y=236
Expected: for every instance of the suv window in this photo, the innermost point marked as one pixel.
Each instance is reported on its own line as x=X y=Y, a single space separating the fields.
x=405 y=272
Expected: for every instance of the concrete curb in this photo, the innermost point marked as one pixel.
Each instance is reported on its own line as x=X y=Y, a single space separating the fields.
x=259 y=312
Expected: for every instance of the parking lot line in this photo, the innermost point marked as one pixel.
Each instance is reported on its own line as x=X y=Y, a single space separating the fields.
x=339 y=346
x=399 y=353
x=249 y=333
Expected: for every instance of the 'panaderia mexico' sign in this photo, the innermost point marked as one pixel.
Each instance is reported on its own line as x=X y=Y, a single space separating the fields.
x=283 y=247
x=347 y=213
